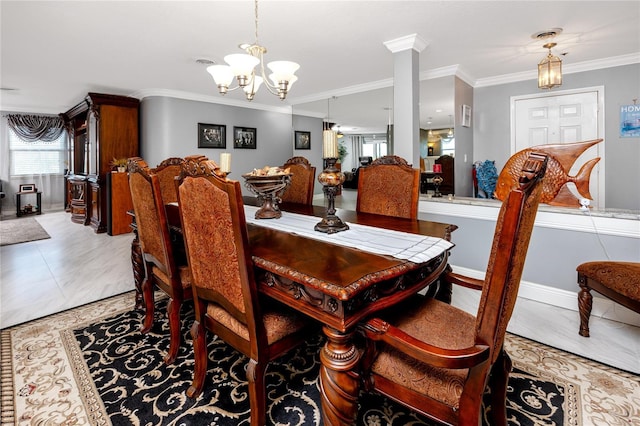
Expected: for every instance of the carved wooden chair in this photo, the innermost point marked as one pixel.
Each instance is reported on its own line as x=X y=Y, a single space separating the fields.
x=390 y=187
x=448 y=174
x=619 y=281
x=225 y=293
x=438 y=359
x=167 y=171
x=161 y=268
x=302 y=182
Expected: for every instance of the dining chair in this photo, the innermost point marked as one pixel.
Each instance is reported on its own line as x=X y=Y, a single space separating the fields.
x=437 y=359
x=389 y=186
x=167 y=171
x=160 y=265
x=225 y=293
x=302 y=182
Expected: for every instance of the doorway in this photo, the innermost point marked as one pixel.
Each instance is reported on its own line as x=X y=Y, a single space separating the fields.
x=563 y=117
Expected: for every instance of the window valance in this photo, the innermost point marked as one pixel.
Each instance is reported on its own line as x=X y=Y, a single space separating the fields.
x=33 y=128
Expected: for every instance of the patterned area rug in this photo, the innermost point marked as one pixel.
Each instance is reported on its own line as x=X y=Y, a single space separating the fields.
x=91 y=365
x=21 y=230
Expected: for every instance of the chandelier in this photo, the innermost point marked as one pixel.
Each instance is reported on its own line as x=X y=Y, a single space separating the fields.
x=242 y=67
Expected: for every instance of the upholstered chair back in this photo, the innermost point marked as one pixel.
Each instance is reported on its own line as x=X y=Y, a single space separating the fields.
x=302 y=181
x=208 y=227
x=506 y=263
x=167 y=171
x=390 y=187
x=150 y=215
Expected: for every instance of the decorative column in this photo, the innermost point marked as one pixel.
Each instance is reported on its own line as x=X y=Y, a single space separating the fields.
x=406 y=96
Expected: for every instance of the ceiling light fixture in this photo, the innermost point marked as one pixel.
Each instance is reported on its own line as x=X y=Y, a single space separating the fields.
x=450 y=132
x=242 y=67
x=550 y=68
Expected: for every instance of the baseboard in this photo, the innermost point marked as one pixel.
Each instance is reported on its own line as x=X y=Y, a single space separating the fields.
x=603 y=308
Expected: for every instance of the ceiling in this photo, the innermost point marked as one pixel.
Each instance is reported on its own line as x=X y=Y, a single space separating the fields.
x=54 y=52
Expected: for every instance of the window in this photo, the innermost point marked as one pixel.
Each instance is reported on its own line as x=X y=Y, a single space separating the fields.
x=375 y=148
x=34 y=158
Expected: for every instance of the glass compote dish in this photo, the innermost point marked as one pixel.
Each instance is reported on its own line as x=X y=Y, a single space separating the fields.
x=268 y=184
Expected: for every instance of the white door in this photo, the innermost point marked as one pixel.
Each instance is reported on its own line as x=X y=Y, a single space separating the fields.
x=563 y=117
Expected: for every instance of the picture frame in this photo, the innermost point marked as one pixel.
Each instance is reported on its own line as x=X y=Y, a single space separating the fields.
x=466 y=116
x=28 y=187
x=302 y=140
x=212 y=136
x=244 y=137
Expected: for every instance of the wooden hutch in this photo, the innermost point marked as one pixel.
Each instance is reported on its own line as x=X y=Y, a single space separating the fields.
x=101 y=128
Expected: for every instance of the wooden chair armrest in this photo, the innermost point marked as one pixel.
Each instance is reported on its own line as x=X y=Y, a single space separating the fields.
x=463 y=281
x=380 y=330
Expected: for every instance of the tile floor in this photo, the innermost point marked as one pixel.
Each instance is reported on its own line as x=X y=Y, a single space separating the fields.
x=77 y=266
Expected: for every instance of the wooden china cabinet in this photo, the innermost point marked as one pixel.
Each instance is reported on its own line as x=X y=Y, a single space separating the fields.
x=101 y=127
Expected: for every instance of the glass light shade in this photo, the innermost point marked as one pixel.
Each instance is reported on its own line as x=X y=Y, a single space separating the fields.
x=329 y=144
x=252 y=87
x=549 y=72
x=221 y=74
x=241 y=64
x=282 y=70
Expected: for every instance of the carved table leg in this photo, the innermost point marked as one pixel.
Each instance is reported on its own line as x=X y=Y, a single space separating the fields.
x=339 y=382
x=585 y=302
x=138 y=268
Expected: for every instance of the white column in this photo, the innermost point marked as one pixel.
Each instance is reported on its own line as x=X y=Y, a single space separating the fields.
x=406 y=96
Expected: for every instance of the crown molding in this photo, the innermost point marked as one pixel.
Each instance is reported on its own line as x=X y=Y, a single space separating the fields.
x=597 y=64
x=189 y=96
x=349 y=90
x=400 y=44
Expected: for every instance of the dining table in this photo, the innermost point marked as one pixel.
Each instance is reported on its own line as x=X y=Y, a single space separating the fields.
x=340 y=279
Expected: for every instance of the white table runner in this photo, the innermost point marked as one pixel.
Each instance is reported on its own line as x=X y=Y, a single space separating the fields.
x=401 y=245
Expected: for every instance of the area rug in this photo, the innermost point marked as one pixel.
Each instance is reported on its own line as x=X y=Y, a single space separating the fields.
x=21 y=230
x=91 y=366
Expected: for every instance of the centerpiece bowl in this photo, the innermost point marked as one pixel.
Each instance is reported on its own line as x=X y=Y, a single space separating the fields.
x=268 y=190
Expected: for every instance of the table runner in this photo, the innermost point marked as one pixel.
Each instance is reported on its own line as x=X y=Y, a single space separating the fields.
x=401 y=245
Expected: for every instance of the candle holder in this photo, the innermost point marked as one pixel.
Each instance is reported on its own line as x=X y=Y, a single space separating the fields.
x=331 y=178
x=437 y=181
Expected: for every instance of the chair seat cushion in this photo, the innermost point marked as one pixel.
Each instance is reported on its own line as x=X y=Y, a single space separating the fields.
x=438 y=324
x=622 y=277
x=279 y=322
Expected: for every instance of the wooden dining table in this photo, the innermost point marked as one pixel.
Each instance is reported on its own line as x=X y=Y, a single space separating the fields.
x=339 y=287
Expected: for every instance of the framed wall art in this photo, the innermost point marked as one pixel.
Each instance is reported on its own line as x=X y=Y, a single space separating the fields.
x=466 y=116
x=302 y=140
x=244 y=137
x=212 y=136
